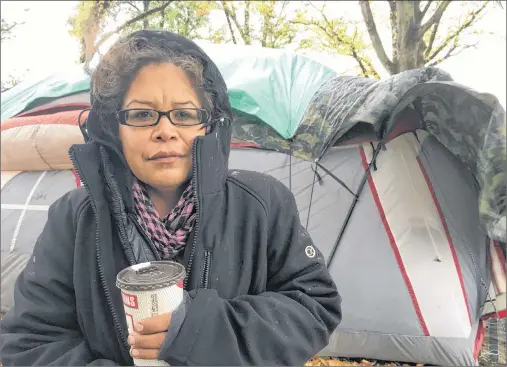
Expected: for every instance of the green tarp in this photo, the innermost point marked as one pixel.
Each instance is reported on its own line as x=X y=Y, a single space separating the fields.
x=33 y=93
x=272 y=85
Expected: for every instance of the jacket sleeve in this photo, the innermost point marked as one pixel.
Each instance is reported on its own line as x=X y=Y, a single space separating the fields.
x=286 y=325
x=42 y=327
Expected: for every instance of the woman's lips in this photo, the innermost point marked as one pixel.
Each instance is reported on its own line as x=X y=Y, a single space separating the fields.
x=170 y=159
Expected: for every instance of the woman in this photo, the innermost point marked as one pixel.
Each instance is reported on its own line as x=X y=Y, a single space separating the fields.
x=157 y=186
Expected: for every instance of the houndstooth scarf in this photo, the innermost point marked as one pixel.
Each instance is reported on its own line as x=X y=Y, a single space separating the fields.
x=169 y=234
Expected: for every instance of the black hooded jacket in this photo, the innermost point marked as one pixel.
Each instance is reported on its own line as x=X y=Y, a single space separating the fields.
x=259 y=291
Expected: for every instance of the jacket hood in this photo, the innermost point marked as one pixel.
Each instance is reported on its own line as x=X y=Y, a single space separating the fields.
x=212 y=149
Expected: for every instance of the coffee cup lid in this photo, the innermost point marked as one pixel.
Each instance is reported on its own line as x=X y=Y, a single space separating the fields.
x=150 y=276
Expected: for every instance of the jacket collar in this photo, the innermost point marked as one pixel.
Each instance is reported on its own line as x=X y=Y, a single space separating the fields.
x=210 y=167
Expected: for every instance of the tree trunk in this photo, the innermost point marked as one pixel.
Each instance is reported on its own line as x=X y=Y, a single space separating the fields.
x=228 y=17
x=82 y=51
x=146 y=7
x=162 y=19
x=91 y=29
x=247 y=37
x=409 y=44
x=375 y=38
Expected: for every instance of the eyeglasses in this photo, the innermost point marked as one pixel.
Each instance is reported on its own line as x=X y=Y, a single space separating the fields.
x=142 y=117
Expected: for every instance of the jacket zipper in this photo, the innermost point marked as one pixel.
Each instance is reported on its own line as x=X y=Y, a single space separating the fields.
x=99 y=262
x=198 y=214
x=197 y=222
x=206 y=268
x=117 y=207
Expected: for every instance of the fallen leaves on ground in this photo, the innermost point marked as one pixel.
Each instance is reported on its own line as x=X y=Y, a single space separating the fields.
x=319 y=361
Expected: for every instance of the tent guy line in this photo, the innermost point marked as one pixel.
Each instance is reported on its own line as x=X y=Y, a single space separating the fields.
x=43 y=208
x=23 y=212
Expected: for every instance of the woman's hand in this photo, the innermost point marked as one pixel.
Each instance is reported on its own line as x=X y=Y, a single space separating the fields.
x=148 y=335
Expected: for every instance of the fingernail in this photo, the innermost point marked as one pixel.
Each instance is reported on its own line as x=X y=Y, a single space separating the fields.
x=131 y=340
x=135 y=352
x=138 y=327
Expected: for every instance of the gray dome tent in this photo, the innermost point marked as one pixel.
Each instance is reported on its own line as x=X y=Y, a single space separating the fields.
x=399 y=184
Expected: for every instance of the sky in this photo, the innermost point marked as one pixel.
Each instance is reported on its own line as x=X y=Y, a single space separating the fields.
x=43 y=44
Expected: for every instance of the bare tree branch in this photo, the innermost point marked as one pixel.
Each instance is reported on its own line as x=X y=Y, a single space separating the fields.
x=132 y=21
x=264 y=28
x=228 y=17
x=364 y=64
x=455 y=35
x=231 y=12
x=133 y=4
x=6 y=29
x=315 y=24
x=9 y=28
x=435 y=18
x=432 y=40
x=450 y=54
x=360 y=62
x=374 y=36
x=246 y=26
x=425 y=10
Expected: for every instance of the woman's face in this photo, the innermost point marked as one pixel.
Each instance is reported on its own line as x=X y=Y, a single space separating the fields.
x=161 y=87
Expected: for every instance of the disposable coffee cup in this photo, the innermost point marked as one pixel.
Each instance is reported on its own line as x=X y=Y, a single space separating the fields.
x=150 y=289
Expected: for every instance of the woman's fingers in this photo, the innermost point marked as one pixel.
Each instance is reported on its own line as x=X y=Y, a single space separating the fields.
x=144 y=353
x=155 y=324
x=148 y=335
x=152 y=341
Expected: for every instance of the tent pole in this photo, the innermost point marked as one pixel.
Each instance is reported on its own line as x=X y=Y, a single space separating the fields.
x=311 y=197
x=354 y=202
x=290 y=165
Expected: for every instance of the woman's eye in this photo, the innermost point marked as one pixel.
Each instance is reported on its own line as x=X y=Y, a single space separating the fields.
x=182 y=115
x=141 y=115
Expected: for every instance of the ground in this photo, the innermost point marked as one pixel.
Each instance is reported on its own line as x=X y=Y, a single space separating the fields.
x=317 y=361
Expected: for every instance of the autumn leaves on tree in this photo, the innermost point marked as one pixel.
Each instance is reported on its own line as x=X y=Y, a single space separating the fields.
x=418 y=36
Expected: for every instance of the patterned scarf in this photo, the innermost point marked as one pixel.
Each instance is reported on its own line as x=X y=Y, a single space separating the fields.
x=169 y=234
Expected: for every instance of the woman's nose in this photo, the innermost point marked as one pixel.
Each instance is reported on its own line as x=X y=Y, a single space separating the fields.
x=165 y=130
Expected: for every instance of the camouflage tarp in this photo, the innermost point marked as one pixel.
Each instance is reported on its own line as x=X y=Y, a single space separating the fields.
x=250 y=129
x=470 y=124
x=344 y=102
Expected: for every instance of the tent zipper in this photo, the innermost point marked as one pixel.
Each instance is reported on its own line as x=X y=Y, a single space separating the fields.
x=99 y=258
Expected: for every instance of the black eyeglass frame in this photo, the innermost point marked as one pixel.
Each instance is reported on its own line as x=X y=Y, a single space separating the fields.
x=122 y=120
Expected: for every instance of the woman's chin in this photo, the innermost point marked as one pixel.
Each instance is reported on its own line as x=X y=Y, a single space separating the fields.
x=170 y=178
